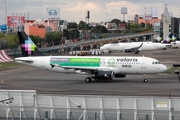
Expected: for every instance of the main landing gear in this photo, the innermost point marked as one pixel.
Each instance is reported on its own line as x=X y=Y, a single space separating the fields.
x=145 y=79
x=88 y=79
x=136 y=52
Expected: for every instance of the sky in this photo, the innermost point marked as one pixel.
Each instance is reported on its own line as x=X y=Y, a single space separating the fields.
x=75 y=10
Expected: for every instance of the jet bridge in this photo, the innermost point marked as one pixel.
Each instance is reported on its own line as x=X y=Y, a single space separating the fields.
x=27 y=104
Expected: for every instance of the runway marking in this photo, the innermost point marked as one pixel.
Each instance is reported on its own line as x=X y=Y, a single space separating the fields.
x=2 y=81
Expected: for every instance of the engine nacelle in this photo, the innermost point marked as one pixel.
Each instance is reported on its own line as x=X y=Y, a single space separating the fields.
x=103 y=75
x=120 y=75
x=128 y=50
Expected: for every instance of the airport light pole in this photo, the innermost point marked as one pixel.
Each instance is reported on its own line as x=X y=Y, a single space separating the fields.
x=151 y=14
x=177 y=72
x=145 y=17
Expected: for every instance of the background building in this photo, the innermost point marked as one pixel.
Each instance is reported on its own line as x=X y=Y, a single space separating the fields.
x=148 y=18
x=175 y=27
x=39 y=27
x=63 y=25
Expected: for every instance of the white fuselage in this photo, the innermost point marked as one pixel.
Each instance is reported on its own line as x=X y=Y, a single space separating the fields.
x=127 y=65
x=124 y=46
x=175 y=44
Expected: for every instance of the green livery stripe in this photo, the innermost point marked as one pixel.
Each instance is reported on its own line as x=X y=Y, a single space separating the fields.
x=63 y=64
x=97 y=60
x=80 y=62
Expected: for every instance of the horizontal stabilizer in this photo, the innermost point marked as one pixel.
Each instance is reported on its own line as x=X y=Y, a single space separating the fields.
x=23 y=60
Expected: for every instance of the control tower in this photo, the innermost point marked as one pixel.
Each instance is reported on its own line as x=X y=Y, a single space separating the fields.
x=165 y=22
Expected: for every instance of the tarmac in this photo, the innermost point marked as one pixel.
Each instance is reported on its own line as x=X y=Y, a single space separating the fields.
x=46 y=82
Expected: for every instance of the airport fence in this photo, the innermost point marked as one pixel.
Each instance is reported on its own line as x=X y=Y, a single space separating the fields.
x=98 y=115
x=27 y=104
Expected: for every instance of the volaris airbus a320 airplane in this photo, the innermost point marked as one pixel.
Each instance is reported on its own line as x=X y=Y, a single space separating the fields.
x=96 y=67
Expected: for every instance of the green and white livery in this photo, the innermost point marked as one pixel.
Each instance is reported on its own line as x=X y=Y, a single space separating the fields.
x=97 y=68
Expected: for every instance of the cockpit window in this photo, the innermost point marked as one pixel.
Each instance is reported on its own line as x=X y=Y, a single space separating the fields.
x=157 y=62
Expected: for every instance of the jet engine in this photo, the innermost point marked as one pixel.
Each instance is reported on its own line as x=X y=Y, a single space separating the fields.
x=128 y=50
x=120 y=75
x=131 y=50
x=103 y=75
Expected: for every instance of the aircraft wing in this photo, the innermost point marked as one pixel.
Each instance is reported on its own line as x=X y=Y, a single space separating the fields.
x=84 y=69
x=134 y=49
x=80 y=67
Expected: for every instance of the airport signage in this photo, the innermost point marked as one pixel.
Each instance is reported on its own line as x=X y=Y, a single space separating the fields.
x=15 y=21
x=148 y=17
x=53 y=13
x=122 y=26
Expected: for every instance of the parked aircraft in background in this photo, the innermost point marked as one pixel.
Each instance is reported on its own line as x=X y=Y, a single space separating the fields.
x=97 y=68
x=172 y=40
x=159 y=39
x=134 y=46
x=168 y=39
x=175 y=44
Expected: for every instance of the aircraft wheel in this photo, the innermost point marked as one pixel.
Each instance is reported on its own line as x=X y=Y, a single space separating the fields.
x=88 y=79
x=136 y=52
x=145 y=80
x=112 y=76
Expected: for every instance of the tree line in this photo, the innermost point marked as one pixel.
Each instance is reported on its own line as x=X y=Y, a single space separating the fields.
x=73 y=31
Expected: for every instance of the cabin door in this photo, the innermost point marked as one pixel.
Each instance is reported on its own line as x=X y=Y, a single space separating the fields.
x=143 y=63
x=43 y=60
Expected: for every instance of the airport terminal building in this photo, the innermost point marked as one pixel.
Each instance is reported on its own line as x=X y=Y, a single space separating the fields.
x=174 y=27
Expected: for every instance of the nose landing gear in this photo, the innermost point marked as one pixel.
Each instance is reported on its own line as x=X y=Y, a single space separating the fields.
x=145 y=79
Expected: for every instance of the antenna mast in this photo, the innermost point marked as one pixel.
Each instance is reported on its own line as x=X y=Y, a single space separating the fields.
x=5 y=8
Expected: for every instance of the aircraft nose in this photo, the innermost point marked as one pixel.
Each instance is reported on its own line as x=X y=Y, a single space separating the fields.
x=102 y=48
x=163 y=68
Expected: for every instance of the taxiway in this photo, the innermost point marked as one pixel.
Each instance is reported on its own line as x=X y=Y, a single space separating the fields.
x=46 y=82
